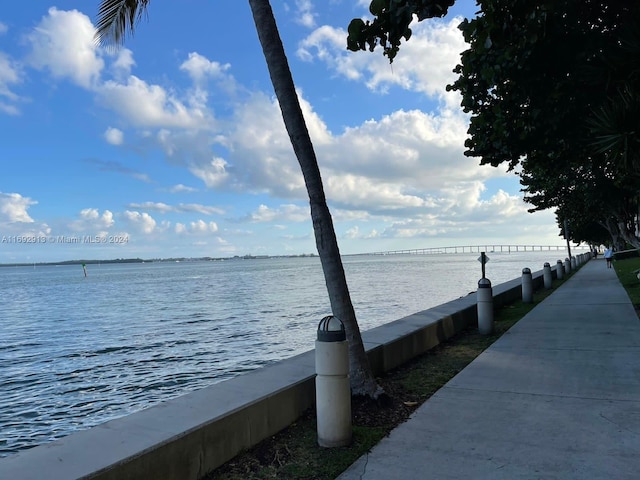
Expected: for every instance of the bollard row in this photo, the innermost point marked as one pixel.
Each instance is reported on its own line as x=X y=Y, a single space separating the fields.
x=485 y=292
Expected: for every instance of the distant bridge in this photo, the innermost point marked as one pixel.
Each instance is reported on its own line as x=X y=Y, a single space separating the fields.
x=488 y=248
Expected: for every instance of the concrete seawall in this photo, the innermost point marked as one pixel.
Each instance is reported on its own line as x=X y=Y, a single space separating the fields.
x=189 y=436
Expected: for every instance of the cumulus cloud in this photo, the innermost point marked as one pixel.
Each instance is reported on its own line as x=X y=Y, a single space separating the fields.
x=114 y=136
x=141 y=222
x=212 y=172
x=200 y=68
x=145 y=105
x=199 y=227
x=13 y=208
x=90 y=220
x=262 y=156
x=63 y=43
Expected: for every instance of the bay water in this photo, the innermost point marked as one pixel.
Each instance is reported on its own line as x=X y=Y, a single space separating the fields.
x=77 y=351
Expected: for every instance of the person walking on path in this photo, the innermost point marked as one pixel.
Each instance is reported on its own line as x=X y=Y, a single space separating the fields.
x=608 y=256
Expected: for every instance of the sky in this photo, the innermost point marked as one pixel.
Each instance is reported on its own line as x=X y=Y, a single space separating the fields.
x=174 y=145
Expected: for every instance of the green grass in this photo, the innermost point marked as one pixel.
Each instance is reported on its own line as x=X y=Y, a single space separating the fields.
x=294 y=452
x=627 y=271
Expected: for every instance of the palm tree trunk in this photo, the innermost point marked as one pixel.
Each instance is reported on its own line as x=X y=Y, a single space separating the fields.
x=362 y=380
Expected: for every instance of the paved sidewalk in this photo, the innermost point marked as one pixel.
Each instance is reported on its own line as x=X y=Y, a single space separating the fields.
x=556 y=397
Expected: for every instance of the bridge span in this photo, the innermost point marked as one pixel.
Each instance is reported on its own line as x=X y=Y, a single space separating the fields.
x=488 y=248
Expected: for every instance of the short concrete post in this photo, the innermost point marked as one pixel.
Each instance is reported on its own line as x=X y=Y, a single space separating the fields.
x=567 y=266
x=546 y=275
x=485 y=306
x=333 y=393
x=559 y=269
x=527 y=286
x=574 y=263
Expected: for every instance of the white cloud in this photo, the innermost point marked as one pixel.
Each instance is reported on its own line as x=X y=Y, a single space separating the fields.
x=262 y=155
x=144 y=105
x=90 y=219
x=114 y=136
x=63 y=43
x=9 y=75
x=142 y=222
x=405 y=170
x=199 y=227
x=438 y=43
x=123 y=63
x=203 y=227
x=155 y=206
x=354 y=234
x=13 y=208
x=3 y=28
x=180 y=208
x=213 y=173
x=414 y=148
x=199 y=68
x=197 y=208
x=179 y=188
x=285 y=213
x=305 y=15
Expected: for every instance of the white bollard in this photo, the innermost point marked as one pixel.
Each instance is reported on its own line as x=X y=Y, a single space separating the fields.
x=527 y=286
x=574 y=263
x=333 y=392
x=485 y=306
x=546 y=275
x=559 y=269
x=567 y=266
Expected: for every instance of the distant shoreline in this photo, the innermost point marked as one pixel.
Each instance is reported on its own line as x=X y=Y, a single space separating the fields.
x=151 y=260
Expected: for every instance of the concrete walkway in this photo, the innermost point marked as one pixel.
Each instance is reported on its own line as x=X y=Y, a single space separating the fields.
x=556 y=397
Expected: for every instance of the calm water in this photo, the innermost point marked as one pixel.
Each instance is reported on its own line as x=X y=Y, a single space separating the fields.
x=76 y=352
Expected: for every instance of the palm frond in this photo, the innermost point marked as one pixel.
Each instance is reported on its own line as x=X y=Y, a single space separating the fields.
x=116 y=18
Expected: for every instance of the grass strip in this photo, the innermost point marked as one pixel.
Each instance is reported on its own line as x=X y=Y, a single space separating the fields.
x=627 y=271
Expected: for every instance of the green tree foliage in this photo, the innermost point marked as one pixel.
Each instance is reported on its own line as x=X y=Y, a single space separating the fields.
x=391 y=23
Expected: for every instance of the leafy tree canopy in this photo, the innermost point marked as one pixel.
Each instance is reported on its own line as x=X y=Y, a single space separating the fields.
x=391 y=23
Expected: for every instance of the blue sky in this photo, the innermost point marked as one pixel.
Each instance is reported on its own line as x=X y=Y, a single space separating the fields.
x=174 y=145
